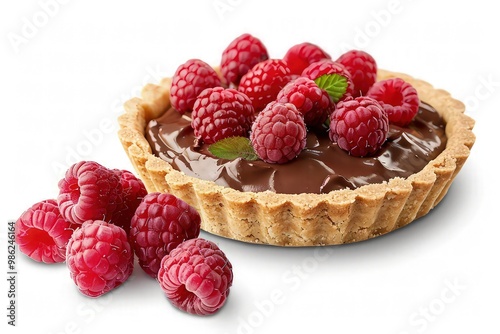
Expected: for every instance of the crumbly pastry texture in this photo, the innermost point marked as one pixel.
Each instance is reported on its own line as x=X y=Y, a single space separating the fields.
x=341 y=216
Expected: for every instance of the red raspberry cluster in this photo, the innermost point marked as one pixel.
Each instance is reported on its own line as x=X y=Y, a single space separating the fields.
x=86 y=226
x=88 y=192
x=104 y=217
x=259 y=97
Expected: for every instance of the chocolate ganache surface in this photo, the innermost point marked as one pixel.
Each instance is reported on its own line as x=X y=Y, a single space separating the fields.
x=320 y=168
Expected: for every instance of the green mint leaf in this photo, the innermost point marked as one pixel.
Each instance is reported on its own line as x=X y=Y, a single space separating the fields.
x=334 y=84
x=232 y=148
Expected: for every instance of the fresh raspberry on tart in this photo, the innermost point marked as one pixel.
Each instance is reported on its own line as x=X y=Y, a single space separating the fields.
x=220 y=113
x=189 y=80
x=327 y=66
x=299 y=56
x=278 y=133
x=399 y=99
x=264 y=81
x=359 y=126
x=310 y=100
x=363 y=69
x=243 y=53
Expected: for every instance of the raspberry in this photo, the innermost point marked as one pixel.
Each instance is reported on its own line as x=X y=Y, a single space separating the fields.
x=363 y=69
x=161 y=222
x=42 y=233
x=219 y=113
x=241 y=55
x=359 y=126
x=313 y=102
x=189 y=80
x=299 y=56
x=88 y=191
x=133 y=191
x=196 y=277
x=99 y=257
x=279 y=133
x=399 y=99
x=319 y=68
x=264 y=81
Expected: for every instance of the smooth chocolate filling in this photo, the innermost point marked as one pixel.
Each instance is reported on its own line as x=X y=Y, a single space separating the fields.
x=320 y=168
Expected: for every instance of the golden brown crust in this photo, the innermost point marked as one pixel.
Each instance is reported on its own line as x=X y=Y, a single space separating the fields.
x=342 y=216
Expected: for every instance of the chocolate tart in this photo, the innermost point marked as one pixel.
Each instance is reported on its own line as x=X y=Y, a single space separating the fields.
x=305 y=219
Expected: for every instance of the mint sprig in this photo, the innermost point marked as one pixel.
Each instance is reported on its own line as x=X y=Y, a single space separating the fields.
x=232 y=148
x=334 y=84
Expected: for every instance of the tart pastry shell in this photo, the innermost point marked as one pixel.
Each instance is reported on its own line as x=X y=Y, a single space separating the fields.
x=339 y=217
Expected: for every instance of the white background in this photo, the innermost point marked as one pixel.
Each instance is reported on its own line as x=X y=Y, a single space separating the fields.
x=66 y=68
